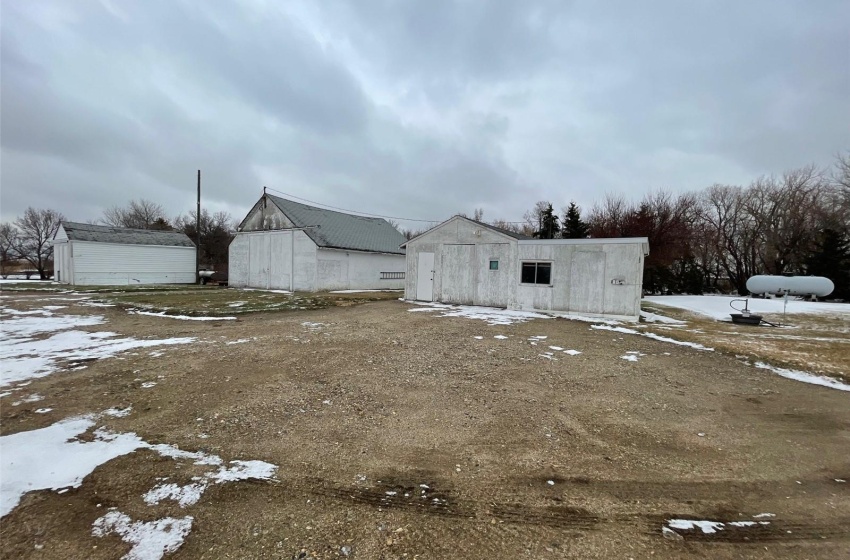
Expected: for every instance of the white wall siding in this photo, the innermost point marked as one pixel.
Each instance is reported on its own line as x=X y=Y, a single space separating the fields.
x=237 y=261
x=355 y=270
x=456 y=231
x=590 y=277
x=264 y=260
x=119 y=264
x=265 y=216
x=62 y=271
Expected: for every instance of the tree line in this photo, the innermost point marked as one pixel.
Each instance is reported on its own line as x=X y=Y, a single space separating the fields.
x=715 y=239
x=27 y=240
x=707 y=241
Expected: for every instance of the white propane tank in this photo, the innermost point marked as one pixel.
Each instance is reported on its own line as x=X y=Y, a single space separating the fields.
x=791 y=285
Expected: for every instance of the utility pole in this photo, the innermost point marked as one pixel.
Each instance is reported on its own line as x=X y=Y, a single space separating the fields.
x=198 y=234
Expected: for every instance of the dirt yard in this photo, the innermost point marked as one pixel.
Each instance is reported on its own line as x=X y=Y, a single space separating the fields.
x=401 y=434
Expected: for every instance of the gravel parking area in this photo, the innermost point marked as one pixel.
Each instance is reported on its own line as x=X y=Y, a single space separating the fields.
x=387 y=433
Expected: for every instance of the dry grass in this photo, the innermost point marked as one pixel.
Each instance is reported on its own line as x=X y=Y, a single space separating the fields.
x=813 y=343
x=233 y=301
x=182 y=299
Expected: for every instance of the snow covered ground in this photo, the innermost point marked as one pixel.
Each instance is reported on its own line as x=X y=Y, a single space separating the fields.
x=361 y=291
x=52 y=458
x=24 y=356
x=718 y=306
x=493 y=315
x=178 y=317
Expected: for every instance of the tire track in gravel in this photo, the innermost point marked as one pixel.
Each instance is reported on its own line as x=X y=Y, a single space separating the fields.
x=430 y=500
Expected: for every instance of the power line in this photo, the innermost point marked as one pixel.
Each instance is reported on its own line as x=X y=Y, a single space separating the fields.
x=368 y=214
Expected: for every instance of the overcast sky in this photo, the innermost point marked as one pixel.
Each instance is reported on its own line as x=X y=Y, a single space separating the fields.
x=416 y=108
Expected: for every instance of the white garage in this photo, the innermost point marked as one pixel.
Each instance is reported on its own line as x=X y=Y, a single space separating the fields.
x=86 y=254
x=463 y=261
x=282 y=244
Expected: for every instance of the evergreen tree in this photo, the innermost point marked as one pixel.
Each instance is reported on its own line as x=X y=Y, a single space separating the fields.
x=549 y=226
x=831 y=258
x=574 y=227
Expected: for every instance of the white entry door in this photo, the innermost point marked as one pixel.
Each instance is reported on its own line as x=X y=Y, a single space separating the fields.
x=425 y=277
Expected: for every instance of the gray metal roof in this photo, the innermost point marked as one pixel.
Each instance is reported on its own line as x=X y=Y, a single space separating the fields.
x=337 y=230
x=108 y=234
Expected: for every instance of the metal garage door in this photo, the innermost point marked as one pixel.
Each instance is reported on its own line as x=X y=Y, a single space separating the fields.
x=587 y=282
x=457 y=274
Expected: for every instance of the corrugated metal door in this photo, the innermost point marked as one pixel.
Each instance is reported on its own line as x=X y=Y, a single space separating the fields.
x=457 y=274
x=587 y=282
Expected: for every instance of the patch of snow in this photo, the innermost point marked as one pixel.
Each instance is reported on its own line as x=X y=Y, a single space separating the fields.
x=25 y=357
x=761 y=515
x=656 y=318
x=478 y=337
x=243 y=470
x=572 y=352
x=492 y=315
x=118 y=412
x=151 y=540
x=199 y=457
x=23 y=327
x=312 y=326
x=805 y=377
x=718 y=306
x=629 y=358
x=187 y=495
x=179 y=317
x=240 y=341
x=97 y=304
x=148 y=384
x=45 y=458
x=30 y=399
x=20 y=279
x=237 y=304
x=555 y=348
x=500 y=337
x=709 y=527
x=360 y=291
x=653 y=336
x=42 y=410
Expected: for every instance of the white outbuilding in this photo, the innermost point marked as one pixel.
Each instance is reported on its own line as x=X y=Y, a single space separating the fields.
x=462 y=261
x=282 y=244
x=86 y=254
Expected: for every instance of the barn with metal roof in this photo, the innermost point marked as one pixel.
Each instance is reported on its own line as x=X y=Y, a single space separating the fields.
x=283 y=244
x=87 y=254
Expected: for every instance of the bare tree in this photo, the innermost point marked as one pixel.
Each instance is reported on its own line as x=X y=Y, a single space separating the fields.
x=511 y=226
x=8 y=241
x=216 y=234
x=36 y=229
x=138 y=214
x=608 y=218
x=534 y=217
x=786 y=212
x=478 y=215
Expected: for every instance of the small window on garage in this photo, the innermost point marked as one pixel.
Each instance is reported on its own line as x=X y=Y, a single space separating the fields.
x=494 y=264
x=536 y=273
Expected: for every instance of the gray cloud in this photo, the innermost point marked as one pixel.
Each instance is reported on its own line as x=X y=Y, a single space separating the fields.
x=415 y=109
